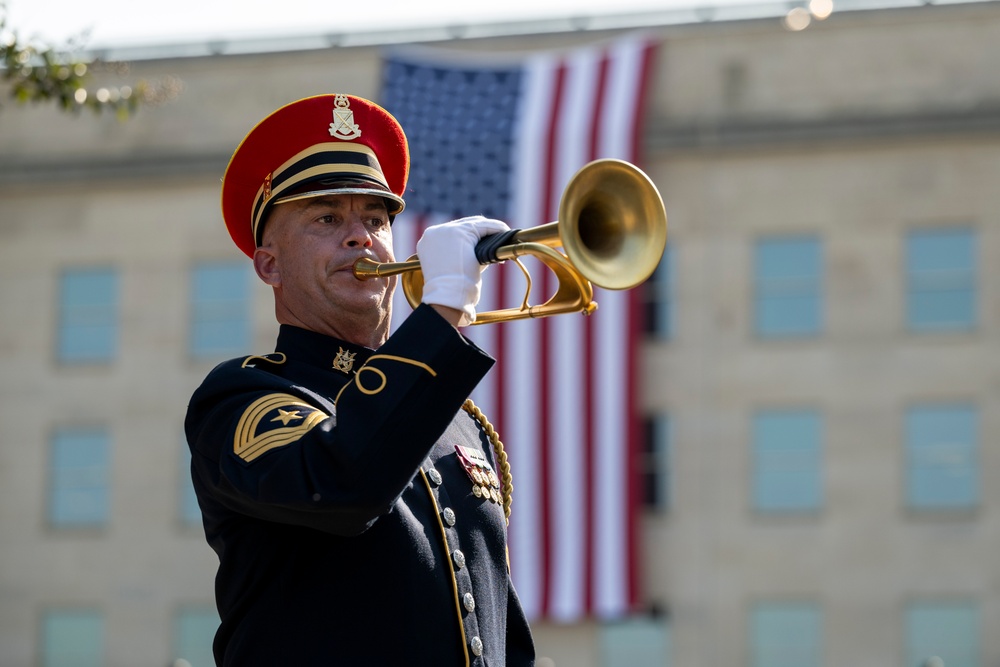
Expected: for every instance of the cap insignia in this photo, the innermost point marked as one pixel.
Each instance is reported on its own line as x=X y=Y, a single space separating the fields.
x=344 y=361
x=267 y=187
x=343 y=125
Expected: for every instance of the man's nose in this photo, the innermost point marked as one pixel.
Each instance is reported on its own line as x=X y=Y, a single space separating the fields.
x=358 y=234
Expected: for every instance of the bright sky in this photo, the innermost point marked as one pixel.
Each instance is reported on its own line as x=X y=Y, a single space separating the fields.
x=133 y=22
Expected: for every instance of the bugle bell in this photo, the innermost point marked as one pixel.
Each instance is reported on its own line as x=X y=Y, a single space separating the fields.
x=612 y=228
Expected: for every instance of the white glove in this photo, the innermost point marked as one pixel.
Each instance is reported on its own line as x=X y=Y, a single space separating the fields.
x=452 y=275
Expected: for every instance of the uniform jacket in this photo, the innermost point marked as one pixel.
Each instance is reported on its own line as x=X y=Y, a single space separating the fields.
x=337 y=501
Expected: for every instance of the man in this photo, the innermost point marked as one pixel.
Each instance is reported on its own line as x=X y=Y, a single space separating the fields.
x=357 y=510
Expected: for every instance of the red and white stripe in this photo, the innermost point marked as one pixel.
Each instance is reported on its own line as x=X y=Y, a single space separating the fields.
x=563 y=393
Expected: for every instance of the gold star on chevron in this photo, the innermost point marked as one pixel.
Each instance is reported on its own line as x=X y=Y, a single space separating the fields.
x=285 y=416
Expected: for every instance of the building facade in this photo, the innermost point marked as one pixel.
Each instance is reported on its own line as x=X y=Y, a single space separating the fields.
x=820 y=377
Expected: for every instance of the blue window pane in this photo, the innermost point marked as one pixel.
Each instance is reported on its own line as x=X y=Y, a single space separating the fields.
x=88 y=315
x=73 y=639
x=641 y=642
x=659 y=290
x=946 y=630
x=78 y=478
x=189 y=509
x=788 y=287
x=785 y=635
x=942 y=456
x=220 y=322
x=194 y=632
x=787 y=461
x=654 y=464
x=941 y=280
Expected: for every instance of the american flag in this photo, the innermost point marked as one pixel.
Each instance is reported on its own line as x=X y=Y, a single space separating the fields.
x=502 y=137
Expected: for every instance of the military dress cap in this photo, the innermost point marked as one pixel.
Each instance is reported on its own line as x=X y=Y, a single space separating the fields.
x=328 y=144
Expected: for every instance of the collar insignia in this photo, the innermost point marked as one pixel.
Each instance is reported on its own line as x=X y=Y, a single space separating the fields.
x=343 y=125
x=344 y=361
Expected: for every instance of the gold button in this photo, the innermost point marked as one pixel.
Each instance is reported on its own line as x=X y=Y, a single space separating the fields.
x=449 y=516
x=459 y=558
x=477 y=646
x=469 y=601
x=434 y=475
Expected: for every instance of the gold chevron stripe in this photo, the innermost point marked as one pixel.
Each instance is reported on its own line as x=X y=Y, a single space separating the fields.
x=249 y=446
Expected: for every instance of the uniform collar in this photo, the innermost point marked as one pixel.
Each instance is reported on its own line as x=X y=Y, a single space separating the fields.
x=320 y=350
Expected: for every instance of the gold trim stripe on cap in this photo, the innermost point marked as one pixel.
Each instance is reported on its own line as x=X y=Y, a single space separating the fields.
x=259 y=202
x=328 y=147
x=342 y=191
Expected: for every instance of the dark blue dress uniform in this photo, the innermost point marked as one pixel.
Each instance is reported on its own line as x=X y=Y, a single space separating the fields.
x=345 y=521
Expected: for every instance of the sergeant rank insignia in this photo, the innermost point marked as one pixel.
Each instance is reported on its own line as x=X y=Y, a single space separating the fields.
x=485 y=483
x=275 y=420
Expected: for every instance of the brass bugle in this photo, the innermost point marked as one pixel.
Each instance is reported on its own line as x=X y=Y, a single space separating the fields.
x=612 y=227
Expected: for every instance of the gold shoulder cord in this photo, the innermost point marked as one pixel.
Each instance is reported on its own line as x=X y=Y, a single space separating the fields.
x=507 y=485
x=267 y=357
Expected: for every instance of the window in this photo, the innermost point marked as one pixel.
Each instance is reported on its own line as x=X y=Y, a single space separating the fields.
x=78 y=478
x=654 y=463
x=941 y=280
x=787 y=461
x=788 y=276
x=945 y=630
x=194 y=631
x=73 y=639
x=638 y=642
x=659 y=296
x=88 y=315
x=784 y=634
x=942 y=456
x=220 y=303
x=190 y=512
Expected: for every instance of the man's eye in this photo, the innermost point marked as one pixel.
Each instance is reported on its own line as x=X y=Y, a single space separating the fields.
x=326 y=219
x=378 y=222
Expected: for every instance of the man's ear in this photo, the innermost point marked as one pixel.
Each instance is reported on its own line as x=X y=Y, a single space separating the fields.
x=265 y=263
